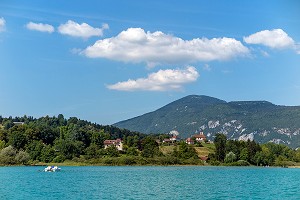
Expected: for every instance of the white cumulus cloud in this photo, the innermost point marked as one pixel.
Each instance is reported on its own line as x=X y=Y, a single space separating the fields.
x=2 y=24
x=163 y=80
x=276 y=39
x=83 y=30
x=40 y=27
x=135 y=45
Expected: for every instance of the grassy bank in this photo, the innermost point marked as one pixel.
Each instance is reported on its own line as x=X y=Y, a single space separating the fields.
x=125 y=161
x=201 y=151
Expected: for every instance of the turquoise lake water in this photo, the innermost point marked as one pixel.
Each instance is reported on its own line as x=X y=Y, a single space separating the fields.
x=150 y=183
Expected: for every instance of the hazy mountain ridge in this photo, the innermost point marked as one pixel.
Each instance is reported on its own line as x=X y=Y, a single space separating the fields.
x=259 y=120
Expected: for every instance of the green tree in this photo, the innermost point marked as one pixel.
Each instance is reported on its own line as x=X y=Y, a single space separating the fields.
x=129 y=141
x=185 y=151
x=61 y=120
x=35 y=149
x=68 y=149
x=252 y=147
x=2 y=144
x=259 y=158
x=63 y=131
x=32 y=133
x=230 y=157
x=132 y=151
x=92 y=151
x=150 y=147
x=22 y=157
x=3 y=135
x=7 y=155
x=17 y=137
x=264 y=157
x=234 y=146
x=8 y=124
x=220 y=144
x=296 y=157
x=136 y=141
x=98 y=137
x=112 y=151
x=48 y=154
x=47 y=134
x=59 y=159
x=244 y=154
x=280 y=161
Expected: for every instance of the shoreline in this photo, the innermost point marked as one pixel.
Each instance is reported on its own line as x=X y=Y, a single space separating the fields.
x=79 y=164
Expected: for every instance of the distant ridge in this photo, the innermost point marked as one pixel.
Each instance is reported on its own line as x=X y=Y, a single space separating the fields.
x=259 y=120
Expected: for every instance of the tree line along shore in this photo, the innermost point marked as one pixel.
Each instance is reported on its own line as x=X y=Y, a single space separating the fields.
x=30 y=141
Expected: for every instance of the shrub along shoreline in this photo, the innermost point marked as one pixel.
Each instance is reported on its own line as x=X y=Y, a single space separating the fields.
x=128 y=161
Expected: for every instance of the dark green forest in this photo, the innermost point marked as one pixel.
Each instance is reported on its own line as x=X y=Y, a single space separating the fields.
x=234 y=152
x=29 y=141
x=56 y=139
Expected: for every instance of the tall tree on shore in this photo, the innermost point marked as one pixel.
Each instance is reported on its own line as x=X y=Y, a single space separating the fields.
x=220 y=144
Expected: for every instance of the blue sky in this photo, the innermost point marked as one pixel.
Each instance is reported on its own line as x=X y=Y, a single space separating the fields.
x=106 y=61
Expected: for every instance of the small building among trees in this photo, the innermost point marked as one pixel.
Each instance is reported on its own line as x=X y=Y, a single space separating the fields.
x=174 y=138
x=170 y=140
x=199 y=137
x=189 y=141
x=18 y=123
x=118 y=143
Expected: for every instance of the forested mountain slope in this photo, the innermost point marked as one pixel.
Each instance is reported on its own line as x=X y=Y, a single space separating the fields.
x=259 y=120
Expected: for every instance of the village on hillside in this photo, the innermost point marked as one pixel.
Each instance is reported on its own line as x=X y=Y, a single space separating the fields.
x=169 y=141
x=54 y=139
x=197 y=138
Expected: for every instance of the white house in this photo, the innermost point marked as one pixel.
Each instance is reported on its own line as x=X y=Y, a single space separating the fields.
x=18 y=123
x=200 y=137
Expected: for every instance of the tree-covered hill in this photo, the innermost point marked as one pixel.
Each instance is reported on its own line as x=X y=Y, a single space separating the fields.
x=26 y=140
x=259 y=120
x=49 y=139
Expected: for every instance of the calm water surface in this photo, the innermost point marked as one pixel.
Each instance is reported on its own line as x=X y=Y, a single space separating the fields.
x=150 y=183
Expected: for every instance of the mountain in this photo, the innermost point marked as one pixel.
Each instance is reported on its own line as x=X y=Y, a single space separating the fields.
x=258 y=120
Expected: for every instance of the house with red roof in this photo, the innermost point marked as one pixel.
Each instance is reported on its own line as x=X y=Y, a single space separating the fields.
x=171 y=140
x=204 y=158
x=118 y=143
x=200 y=137
x=174 y=138
x=189 y=141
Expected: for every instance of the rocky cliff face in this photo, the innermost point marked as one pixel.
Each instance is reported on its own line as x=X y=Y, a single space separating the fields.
x=243 y=120
x=235 y=129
